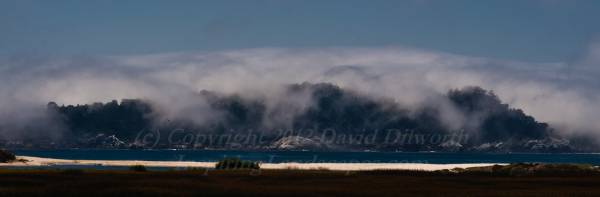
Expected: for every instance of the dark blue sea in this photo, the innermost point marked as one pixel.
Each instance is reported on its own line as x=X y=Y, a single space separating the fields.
x=312 y=157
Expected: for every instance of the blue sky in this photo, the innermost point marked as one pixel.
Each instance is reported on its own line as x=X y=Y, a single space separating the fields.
x=540 y=56
x=548 y=30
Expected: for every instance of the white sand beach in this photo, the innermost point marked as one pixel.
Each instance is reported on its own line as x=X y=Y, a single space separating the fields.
x=38 y=161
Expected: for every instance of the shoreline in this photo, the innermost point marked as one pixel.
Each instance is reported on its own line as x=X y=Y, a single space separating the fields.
x=41 y=162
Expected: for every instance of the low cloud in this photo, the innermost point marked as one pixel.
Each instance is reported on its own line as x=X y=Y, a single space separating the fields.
x=563 y=94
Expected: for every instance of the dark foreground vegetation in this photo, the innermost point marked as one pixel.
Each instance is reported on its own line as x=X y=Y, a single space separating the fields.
x=490 y=181
x=6 y=156
x=236 y=163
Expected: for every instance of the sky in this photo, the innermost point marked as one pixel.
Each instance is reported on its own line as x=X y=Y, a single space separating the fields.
x=531 y=30
x=540 y=56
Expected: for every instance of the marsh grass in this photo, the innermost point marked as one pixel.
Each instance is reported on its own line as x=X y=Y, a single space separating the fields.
x=73 y=172
x=92 y=183
x=487 y=181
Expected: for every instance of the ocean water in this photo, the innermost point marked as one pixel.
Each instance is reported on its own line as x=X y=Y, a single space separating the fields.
x=312 y=157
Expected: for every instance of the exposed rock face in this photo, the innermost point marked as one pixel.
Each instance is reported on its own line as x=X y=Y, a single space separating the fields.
x=490 y=147
x=6 y=156
x=548 y=145
x=537 y=145
x=298 y=143
x=104 y=141
x=451 y=145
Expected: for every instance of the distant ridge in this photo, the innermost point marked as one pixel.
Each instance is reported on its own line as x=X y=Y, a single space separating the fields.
x=336 y=118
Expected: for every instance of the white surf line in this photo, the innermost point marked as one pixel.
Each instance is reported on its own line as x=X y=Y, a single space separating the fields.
x=39 y=161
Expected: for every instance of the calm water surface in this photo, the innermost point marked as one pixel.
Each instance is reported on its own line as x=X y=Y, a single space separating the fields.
x=309 y=156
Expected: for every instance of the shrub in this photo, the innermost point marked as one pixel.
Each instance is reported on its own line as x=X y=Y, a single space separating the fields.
x=138 y=168
x=236 y=163
x=6 y=156
x=529 y=169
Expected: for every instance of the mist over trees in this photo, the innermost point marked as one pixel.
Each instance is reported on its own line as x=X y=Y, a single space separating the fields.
x=497 y=120
x=113 y=118
x=483 y=117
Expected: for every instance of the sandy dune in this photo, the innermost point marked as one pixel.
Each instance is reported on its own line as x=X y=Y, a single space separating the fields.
x=38 y=161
